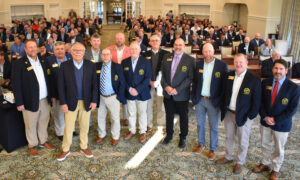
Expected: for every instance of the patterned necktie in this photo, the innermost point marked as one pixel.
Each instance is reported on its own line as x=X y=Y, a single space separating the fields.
x=274 y=93
x=174 y=67
x=102 y=79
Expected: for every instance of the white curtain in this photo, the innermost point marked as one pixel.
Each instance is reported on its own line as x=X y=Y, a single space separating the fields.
x=290 y=26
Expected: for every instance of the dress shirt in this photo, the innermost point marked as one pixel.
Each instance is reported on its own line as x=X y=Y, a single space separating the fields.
x=246 y=48
x=108 y=89
x=17 y=50
x=235 y=89
x=280 y=82
x=207 y=75
x=175 y=64
x=95 y=55
x=120 y=54
x=39 y=73
x=59 y=62
x=134 y=62
x=78 y=65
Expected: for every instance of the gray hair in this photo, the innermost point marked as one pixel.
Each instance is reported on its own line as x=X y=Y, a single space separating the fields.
x=78 y=44
x=59 y=43
x=276 y=51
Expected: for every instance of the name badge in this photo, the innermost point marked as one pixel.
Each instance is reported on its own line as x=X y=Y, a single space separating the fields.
x=126 y=68
x=184 y=68
x=148 y=57
x=55 y=65
x=169 y=59
x=284 y=101
x=48 y=71
x=93 y=60
x=246 y=91
x=116 y=77
x=269 y=88
x=98 y=71
x=217 y=75
x=29 y=68
x=201 y=71
x=231 y=77
x=141 y=72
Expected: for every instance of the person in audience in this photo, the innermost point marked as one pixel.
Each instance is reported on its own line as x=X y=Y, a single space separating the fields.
x=266 y=48
x=232 y=32
x=133 y=33
x=239 y=106
x=245 y=48
x=43 y=51
x=257 y=41
x=212 y=35
x=280 y=98
x=227 y=34
x=187 y=37
x=18 y=47
x=39 y=41
x=111 y=84
x=5 y=70
x=170 y=36
x=94 y=53
x=15 y=29
x=62 y=36
x=267 y=65
x=201 y=32
x=206 y=96
x=137 y=73
x=177 y=74
x=195 y=42
x=72 y=13
x=240 y=36
x=31 y=86
x=3 y=47
x=195 y=29
x=142 y=46
x=74 y=37
x=120 y=52
x=144 y=37
x=296 y=70
x=50 y=46
x=8 y=36
x=222 y=41
x=207 y=40
x=77 y=89
x=88 y=30
x=155 y=55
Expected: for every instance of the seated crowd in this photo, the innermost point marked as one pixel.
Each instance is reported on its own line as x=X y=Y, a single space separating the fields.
x=75 y=80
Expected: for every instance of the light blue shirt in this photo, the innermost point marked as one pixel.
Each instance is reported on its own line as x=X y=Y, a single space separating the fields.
x=96 y=55
x=279 y=84
x=207 y=75
x=246 y=48
x=108 y=89
x=59 y=62
x=78 y=66
x=14 y=50
x=134 y=62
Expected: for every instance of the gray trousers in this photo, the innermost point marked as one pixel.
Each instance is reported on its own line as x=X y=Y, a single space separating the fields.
x=160 y=110
x=59 y=119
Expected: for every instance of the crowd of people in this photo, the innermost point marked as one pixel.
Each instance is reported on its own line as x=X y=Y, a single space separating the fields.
x=75 y=80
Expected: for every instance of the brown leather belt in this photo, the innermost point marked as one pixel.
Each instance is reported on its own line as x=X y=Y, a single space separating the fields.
x=231 y=111
x=205 y=97
x=108 y=95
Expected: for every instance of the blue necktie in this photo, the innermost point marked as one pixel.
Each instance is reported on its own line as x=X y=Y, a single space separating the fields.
x=102 y=80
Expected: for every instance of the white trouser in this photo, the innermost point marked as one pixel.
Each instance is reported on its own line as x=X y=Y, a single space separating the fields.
x=140 y=107
x=111 y=104
x=160 y=110
x=59 y=119
x=277 y=157
x=243 y=134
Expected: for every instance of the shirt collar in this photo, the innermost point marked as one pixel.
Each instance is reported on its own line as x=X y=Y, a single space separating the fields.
x=107 y=65
x=280 y=81
x=32 y=60
x=154 y=52
x=134 y=60
x=242 y=75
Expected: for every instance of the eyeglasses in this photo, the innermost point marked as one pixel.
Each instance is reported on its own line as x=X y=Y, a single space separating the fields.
x=77 y=50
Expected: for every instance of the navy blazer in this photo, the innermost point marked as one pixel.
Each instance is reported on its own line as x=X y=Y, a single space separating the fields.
x=54 y=71
x=296 y=70
x=241 y=48
x=117 y=81
x=67 y=88
x=139 y=79
x=248 y=99
x=254 y=44
x=219 y=71
x=25 y=84
x=284 y=107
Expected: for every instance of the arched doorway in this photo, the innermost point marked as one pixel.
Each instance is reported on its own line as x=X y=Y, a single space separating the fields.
x=235 y=12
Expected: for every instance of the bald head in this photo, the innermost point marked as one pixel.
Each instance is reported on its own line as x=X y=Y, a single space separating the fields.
x=247 y=40
x=208 y=52
x=257 y=36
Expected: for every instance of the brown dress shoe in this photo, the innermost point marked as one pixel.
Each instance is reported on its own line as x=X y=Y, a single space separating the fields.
x=211 y=155
x=199 y=149
x=115 y=142
x=126 y=122
x=63 y=156
x=223 y=161
x=33 y=151
x=99 y=139
x=87 y=153
x=143 y=138
x=47 y=146
x=237 y=169
x=128 y=136
x=149 y=129
x=260 y=168
x=274 y=175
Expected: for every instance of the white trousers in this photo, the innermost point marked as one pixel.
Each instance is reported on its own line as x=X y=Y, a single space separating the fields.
x=140 y=107
x=160 y=110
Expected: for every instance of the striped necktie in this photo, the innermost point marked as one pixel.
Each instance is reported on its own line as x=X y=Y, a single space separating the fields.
x=103 y=79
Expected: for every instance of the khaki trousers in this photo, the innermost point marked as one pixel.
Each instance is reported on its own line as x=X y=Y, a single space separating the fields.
x=59 y=119
x=140 y=107
x=277 y=157
x=242 y=133
x=111 y=104
x=70 y=118
x=36 y=124
x=160 y=109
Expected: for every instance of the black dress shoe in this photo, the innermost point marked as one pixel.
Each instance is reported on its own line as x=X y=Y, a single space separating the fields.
x=182 y=143
x=167 y=140
x=60 y=137
x=75 y=133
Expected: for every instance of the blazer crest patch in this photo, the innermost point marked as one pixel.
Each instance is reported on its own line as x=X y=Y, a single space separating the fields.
x=246 y=91
x=217 y=75
x=116 y=77
x=184 y=68
x=141 y=72
x=284 y=101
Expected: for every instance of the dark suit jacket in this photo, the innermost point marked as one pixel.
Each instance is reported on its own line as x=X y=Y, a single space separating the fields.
x=41 y=42
x=89 y=55
x=66 y=37
x=10 y=38
x=168 y=37
x=54 y=74
x=25 y=84
x=219 y=71
x=266 y=68
x=163 y=41
x=203 y=32
x=241 y=48
x=117 y=80
x=67 y=88
x=148 y=56
x=143 y=48
x=6 y=69
x=182 y=79
x=139 y=79
x=189 y=37
x=248 y=99
x=226 y=42
x=254 y=44
x=238 y=38
x=284 y=107
x=145 y=40
x=49 y=49
x=296 y=70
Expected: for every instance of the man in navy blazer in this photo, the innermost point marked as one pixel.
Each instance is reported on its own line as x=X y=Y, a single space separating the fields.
x=137 y=73
x=32 y=91
x=111 y=84
x=240 y=105
x=280 y=98
x=77 y=87
x=257 y=41
x=206 y=96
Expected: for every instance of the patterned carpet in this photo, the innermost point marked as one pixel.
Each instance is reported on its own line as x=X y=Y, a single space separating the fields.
x=164 y=162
